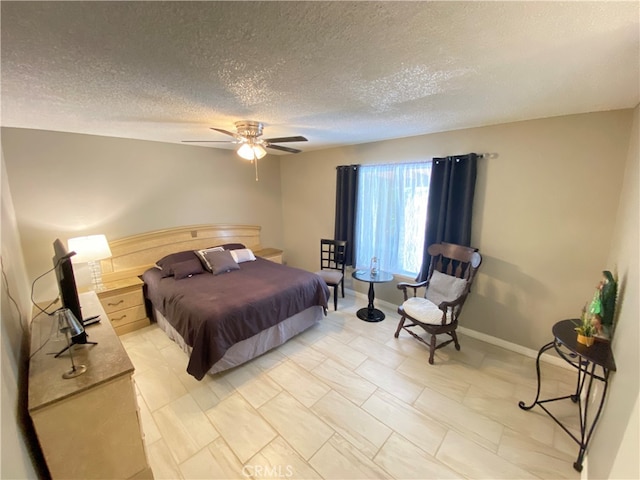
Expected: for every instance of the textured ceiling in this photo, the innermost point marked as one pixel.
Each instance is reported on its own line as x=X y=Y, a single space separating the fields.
x=338 y=73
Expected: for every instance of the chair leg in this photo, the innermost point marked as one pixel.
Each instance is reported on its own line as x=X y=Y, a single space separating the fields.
x=400 y=325
x=335 y=297
x=342 y=283
x=455 y=340
x=432 y=348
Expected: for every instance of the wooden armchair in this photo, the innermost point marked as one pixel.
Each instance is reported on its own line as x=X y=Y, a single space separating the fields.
x=451 y=273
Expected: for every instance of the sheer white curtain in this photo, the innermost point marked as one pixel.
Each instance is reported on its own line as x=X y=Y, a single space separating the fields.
x=391 y=216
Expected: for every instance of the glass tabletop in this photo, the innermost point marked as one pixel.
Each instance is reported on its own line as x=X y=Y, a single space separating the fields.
x=365 y=276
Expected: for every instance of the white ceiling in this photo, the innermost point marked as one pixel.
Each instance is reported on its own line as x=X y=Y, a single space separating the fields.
x=338 y=73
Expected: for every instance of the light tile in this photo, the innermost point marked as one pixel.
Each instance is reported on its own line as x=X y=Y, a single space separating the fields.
x=377 y=351
x=338 y=351
x=159 y=386
x=533 y=423
x=184 y=426
x=422 y=430
x=296 y=424
x=253 y=384
x=301 y=354
x=344 y=381
x=304 y=386
x=473 y=425
x=279 y=460
x=538 y=458
x=402 y=459
x=390 y=380
x=217 y=461
x=473 y=461
x=162 y=463
x=431 y=376
x=269 y=360
x=338 y=459
x=149 y=427
x=244 y=430
x=360 y=428
x=145 y=356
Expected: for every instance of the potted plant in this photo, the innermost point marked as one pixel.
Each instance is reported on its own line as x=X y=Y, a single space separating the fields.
x=586 y=329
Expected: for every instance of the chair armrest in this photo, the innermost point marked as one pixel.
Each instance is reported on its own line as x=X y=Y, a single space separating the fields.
x=404 y=286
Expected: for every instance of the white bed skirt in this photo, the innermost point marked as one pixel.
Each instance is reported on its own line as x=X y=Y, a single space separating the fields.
x=254 y=346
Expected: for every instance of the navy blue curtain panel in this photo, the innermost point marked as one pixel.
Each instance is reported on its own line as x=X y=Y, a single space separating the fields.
x=450 y=208
x=346 y=197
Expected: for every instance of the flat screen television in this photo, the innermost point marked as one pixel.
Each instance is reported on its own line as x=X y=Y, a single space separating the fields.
x=66 y=279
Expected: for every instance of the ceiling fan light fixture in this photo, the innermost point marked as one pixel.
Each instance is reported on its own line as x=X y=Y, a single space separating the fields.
x=250 y=151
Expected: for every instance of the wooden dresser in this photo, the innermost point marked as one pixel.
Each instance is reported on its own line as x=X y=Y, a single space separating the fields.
x=123 y=302
x=88 y=426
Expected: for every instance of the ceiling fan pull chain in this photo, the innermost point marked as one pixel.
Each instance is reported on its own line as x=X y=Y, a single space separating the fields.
x=255 y=162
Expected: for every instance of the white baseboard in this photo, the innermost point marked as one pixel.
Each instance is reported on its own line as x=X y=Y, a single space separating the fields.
x=513 y=347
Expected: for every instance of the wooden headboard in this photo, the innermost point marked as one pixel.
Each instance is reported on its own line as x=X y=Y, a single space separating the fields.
x=131 y=256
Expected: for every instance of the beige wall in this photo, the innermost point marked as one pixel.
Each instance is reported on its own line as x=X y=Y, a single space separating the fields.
x=544 y=213
x=618 y=428
x=15 y=461
x=65 y=185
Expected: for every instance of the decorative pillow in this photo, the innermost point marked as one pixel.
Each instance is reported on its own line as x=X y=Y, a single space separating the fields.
x=444 y=288
x=166 y=263
x=243 y=255
x=201 y=256
x=220 y=261
x=233 y=246
x=187 y=269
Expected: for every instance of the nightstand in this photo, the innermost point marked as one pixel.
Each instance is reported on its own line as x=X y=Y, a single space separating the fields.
x=273 y=254
x=123 y=302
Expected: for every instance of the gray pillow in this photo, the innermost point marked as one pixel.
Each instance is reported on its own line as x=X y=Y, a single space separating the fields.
x=220 y=261
x=187 y=269
x=445 y=288
x=167 y=262
x=201 y=255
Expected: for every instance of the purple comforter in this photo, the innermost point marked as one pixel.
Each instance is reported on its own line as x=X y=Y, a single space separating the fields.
x=213 y=312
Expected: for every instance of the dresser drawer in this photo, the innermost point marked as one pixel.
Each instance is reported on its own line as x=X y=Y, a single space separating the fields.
x=127 y=315
x=121 y=300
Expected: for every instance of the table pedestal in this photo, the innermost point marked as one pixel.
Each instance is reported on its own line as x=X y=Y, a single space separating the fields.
x=370 y=313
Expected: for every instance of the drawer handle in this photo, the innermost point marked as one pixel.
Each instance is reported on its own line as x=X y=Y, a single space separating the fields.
x=115 y=304
x=119 y=318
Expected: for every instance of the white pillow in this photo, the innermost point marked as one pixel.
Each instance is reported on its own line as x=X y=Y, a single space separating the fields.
x=242 y=255
x=444 y=288
x=201 y=255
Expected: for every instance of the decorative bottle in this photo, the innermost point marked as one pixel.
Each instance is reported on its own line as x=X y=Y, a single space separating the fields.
x=374 y=266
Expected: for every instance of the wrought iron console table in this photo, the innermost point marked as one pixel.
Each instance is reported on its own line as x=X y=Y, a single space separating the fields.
x=585 y=360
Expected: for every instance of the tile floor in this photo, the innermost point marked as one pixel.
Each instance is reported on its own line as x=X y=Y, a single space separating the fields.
x=346 y=400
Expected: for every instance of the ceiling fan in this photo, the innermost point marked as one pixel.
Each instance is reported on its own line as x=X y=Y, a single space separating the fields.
x=249 y=133
x=252 y=147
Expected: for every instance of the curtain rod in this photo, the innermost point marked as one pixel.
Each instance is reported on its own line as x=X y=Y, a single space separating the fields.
x=354 y=165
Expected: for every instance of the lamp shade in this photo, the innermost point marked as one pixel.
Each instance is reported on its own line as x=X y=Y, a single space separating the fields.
x=250 y=151
x=90 y=248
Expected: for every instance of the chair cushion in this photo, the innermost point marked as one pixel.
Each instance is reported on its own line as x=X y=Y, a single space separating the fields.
x=425 y=311
x=444 y=288
x=330 y=277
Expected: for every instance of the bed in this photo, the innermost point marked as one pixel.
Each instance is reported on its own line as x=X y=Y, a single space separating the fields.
x=220 y=320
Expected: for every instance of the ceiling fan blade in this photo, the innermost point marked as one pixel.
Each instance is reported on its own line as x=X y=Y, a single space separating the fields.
x=284 y=149
x=286 y=139
x=235 y=135
x=208 y=141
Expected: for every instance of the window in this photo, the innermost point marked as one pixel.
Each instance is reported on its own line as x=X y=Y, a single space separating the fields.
x=391 y=216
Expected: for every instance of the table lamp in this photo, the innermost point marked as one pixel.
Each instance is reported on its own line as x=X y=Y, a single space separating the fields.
x=91 y=249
